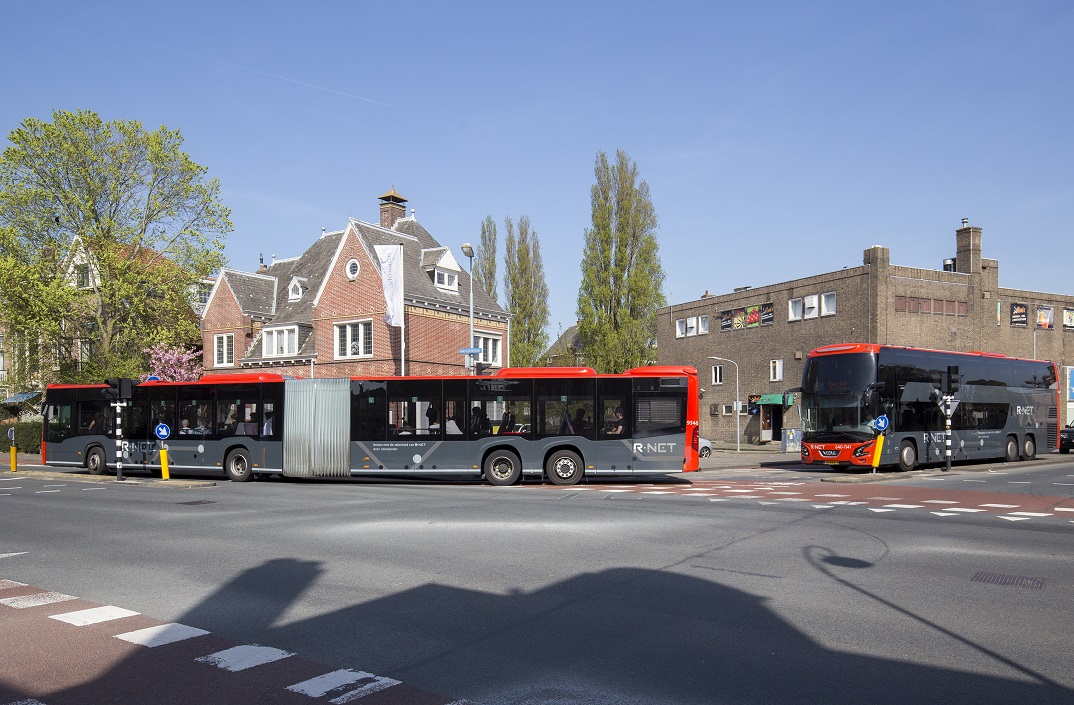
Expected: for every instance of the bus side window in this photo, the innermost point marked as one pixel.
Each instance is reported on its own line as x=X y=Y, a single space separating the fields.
x=613 y=394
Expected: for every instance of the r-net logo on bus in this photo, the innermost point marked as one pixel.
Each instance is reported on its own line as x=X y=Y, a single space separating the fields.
x=1025 y=410
x=655 y=447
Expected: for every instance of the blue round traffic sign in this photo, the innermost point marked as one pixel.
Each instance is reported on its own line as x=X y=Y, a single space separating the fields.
x=162 y=431
x=882 y=422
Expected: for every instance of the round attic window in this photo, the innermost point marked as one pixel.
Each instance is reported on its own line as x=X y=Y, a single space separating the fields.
x=352 y=269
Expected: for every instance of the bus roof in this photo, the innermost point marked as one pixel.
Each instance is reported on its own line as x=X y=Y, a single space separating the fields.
x=842 y=348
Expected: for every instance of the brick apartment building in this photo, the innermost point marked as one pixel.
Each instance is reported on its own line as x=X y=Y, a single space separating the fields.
x=322 y=314
x=768 y=330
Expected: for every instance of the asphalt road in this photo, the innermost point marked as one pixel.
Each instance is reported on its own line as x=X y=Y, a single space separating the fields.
x=726 y=589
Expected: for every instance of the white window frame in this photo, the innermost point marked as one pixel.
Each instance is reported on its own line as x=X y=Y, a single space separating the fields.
x=356 y=266
x=717 y=374
x=794 y=309
x=289 y=334
x=691 y=326
x=827 y=303
x=727 y=409
x=775 y=370
x=294 y=292
x=221 y=344
x=361 y=342
x=680 y=328
x=702 y=325
x=810 y=306
x=446 y=280
x=491 y=345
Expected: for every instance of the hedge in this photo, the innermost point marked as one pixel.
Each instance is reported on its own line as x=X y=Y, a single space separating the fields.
x=27 y=437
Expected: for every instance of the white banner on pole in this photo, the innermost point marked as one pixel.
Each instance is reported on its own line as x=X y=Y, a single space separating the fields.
x=391 y=272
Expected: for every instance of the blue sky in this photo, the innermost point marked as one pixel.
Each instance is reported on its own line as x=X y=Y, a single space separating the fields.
x=779 y=139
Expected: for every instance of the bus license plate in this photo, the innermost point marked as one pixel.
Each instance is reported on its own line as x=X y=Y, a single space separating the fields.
x=831 y=462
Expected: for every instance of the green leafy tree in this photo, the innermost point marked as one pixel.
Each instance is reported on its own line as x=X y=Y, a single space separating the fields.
x=525 y=293
x=106 y=229
x=622 y=277
x=484 y=273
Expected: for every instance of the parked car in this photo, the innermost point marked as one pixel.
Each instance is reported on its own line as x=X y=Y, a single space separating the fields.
x=704 y=447
x=1066 y=438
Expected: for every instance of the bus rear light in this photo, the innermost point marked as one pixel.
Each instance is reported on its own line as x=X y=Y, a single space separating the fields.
x=695 y=437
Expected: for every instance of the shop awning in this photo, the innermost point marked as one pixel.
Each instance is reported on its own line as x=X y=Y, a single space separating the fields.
x=774 y=399
x=21 y=397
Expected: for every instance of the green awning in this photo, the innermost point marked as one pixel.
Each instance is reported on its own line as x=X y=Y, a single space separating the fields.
x=772 y=399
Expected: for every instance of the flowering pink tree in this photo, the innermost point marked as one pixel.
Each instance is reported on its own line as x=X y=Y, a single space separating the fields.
x=174 y=363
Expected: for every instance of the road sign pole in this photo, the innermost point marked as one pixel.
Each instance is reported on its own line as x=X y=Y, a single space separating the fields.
x=119 y=439
x=947 y=411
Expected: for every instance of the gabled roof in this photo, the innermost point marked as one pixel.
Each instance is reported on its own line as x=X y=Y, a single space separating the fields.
x=255 y=293
x=313 y=265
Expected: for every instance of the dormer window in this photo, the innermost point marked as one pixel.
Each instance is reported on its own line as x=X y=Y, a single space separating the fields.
x=448 y=281
x=294 y=291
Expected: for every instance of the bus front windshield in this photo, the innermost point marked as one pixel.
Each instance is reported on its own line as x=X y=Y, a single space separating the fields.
x=839 y=398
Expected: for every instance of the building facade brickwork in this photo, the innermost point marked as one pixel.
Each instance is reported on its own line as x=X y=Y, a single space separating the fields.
x=767 y=331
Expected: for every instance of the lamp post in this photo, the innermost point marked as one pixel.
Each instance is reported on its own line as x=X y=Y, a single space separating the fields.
x=738 y=421
x=468 y=250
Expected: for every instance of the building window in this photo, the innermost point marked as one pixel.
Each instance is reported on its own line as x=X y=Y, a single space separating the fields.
x=447 y=280
x=354 y=339
x=82 y=278
x=717 y=374
x=827 y=304
x=728 y=409
x=352 y=269
x=680 y=328
x=809 y=306
x=225 y=350
x=279 y=342
x=794 y=310
x=691 y=326
x=702 y=325
x=490 y=348
x=775 y=370
x=294 y=292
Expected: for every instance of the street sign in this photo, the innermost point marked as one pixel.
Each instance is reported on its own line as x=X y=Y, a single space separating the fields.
x=469 y=351
x=881 y=423
x=152 y=378
x=162 y=431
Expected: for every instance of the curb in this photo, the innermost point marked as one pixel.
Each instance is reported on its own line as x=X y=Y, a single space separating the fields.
x=108 y=479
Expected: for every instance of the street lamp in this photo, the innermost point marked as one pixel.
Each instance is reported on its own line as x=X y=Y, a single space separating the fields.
x=468 y=250
x=738 y=423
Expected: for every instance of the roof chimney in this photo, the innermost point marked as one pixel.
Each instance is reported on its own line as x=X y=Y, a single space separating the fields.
x=261 y=269
x=391 y=208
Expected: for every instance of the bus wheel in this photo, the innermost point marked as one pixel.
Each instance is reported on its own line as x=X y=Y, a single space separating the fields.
x=237 y=466
x=1029 y=448
x=1011 y=454
x=95 y=461
x=907 y=455
x=564 y=467
x=502 y=468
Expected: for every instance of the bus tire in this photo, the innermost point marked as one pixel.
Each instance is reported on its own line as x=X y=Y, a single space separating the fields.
x=1029 y=448
x=1011 y=453
x=502 y=468
x=95 y=461
x=237 y=466
x=907 y=455
x=564 y=467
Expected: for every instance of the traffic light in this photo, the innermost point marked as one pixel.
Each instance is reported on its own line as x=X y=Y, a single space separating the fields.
x=118 y=388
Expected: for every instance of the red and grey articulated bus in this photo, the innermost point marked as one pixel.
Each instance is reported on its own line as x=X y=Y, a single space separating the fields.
x=559 y=423
x=1003 y=407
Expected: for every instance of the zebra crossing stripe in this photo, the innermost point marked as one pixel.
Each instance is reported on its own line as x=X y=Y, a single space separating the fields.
x=94 y=615
x=376 y=685
x=239 y=658
x=8 y=584
x=322 y=685
x=161 y=634
x=41 y=598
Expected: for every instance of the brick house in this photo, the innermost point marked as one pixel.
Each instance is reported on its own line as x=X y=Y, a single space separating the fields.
x=321 y=314
x=767 y=331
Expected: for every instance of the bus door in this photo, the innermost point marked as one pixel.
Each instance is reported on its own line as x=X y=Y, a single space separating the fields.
x=316 y=427
x=190 y=442
x=613 y=418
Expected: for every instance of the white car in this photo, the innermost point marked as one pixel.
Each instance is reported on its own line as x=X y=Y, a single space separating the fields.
x=704 y=447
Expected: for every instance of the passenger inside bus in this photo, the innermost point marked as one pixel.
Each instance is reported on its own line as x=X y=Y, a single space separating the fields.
x=618 y=425
x=479 y=423
x=578 y=423
x=452 y=428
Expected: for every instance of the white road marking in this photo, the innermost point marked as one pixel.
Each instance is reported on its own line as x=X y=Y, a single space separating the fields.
x=1064 y=484
x=1019 y=482
x=1058 y=509
x=1030 y=514
x=8 y=584
x=823 y=506
x=657 y=492
x=944 y=514
x=1013 y=518
x=1000 y=506
x=94 y=615
x=784 y=493
x=161 y=634
x=91 y=489
x=45 y=491
x=875 y=509
x=378 y=684
x=718 y=499
x=975 y=480
x=322 y=685
x=964 y=509
x=9 y=555
x=700 y=494
x=832 y=495
x=54 y=485
x=903 y=506
x=790 y=499
x=939 y=501
x=41 y=598
x=239 y=658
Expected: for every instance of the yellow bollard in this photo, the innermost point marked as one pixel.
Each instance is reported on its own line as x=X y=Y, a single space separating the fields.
x=14 y=465
x=164 y=475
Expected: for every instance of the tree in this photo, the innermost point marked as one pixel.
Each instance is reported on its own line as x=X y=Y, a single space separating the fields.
x=622 y=277
x=105 y=231
x=484 y=274
x=525 y=293
x=173 y=363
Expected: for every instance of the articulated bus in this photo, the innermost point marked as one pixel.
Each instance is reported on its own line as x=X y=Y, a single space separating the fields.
x=560 y=423
x=1006 y=407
